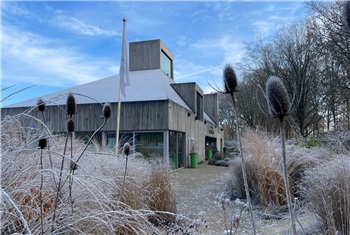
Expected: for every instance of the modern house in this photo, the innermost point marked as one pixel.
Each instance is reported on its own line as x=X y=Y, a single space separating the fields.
x=159 y=116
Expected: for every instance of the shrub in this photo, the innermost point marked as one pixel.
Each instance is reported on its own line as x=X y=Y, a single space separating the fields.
x=162 y=194
x=264 y=171
x=327 y=190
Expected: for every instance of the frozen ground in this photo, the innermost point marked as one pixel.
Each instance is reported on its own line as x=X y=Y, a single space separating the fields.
x=196 y=190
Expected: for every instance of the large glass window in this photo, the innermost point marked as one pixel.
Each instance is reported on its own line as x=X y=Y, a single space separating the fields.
x=166 y=64
x=123 y=138
x=149 y=144
x=85 y=136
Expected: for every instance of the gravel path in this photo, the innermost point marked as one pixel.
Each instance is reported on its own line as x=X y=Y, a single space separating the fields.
x=196 y=190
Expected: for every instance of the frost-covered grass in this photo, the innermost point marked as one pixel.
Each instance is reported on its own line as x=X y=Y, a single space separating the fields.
x=29 y=191
x=327 y=191
x=320 y=179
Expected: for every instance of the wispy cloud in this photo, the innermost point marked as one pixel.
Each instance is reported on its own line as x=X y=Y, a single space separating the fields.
x=77 y=26
x=272 y=17
x=12 y=8
x=30 y=57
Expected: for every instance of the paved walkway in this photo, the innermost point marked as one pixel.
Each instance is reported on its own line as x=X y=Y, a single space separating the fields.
x=196 y=190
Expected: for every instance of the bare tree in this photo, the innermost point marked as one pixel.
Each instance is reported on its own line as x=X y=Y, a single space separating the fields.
x=226 y=116
x=292 y=57
x=333 y=41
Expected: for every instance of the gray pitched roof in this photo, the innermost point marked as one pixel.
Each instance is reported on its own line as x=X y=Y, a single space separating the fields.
x=145 y=85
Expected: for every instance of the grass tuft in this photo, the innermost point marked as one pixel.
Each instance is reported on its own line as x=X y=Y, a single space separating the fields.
x=327 y=191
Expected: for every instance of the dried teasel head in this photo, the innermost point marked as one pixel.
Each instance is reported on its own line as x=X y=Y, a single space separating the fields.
x=346 y=14
x=42 y=143
x=70 y=125
x=71 y=105
x=126 y=149
x=107 y=110
x=230 y=79
x=277 y=98
x=73 y=166
x=41 y=105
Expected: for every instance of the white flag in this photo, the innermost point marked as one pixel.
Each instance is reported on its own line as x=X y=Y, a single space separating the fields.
x=124 y=66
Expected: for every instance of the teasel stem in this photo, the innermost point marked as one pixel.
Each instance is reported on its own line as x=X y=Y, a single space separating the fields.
x=126 y=152
x=58 y=192
x=59 y=184
x=70 y=175
x=230 y=86
x=245 y=180
x=285 y=177
x=40 y=191
x=42 y=145
x=87 y=144
x=279 y=107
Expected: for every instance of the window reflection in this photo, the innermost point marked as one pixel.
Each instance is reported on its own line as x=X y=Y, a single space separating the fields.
x=166 y=64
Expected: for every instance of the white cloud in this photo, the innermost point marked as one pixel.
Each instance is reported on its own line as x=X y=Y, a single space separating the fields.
x=230 y=49
x=29 y=57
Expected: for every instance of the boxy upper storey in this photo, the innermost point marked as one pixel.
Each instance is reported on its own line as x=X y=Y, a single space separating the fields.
x=152 y=54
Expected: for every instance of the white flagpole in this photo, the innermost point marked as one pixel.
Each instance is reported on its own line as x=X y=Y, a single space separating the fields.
x=122 y=75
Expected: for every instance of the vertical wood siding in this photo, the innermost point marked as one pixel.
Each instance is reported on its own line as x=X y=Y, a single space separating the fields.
x=147 y=115
x=211 y=106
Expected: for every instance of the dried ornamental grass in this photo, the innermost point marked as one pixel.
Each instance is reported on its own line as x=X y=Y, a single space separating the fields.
x=327 y=190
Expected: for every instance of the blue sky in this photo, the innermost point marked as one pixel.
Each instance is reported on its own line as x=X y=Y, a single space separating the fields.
x=57 y=45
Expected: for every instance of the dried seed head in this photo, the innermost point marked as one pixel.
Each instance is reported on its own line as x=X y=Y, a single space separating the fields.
x=71 y=105
x=41 y=105
x=230 y=79
x=107 y=110
x=42 y=143
x=277 y=98
x=346 y=14
x=70 y=125
x=126 y=148
x=73 y=166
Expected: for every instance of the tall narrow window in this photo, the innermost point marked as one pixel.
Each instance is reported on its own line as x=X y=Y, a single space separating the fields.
x=176 y=148
x=199 y=110
x=166 y=64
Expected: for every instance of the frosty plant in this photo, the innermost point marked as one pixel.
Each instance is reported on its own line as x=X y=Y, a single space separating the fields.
x=71 y=110
x=279 y=107
x=234 y=215
x=230 y=86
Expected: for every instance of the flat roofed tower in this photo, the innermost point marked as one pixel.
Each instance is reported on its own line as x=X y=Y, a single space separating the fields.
x=152 y=54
